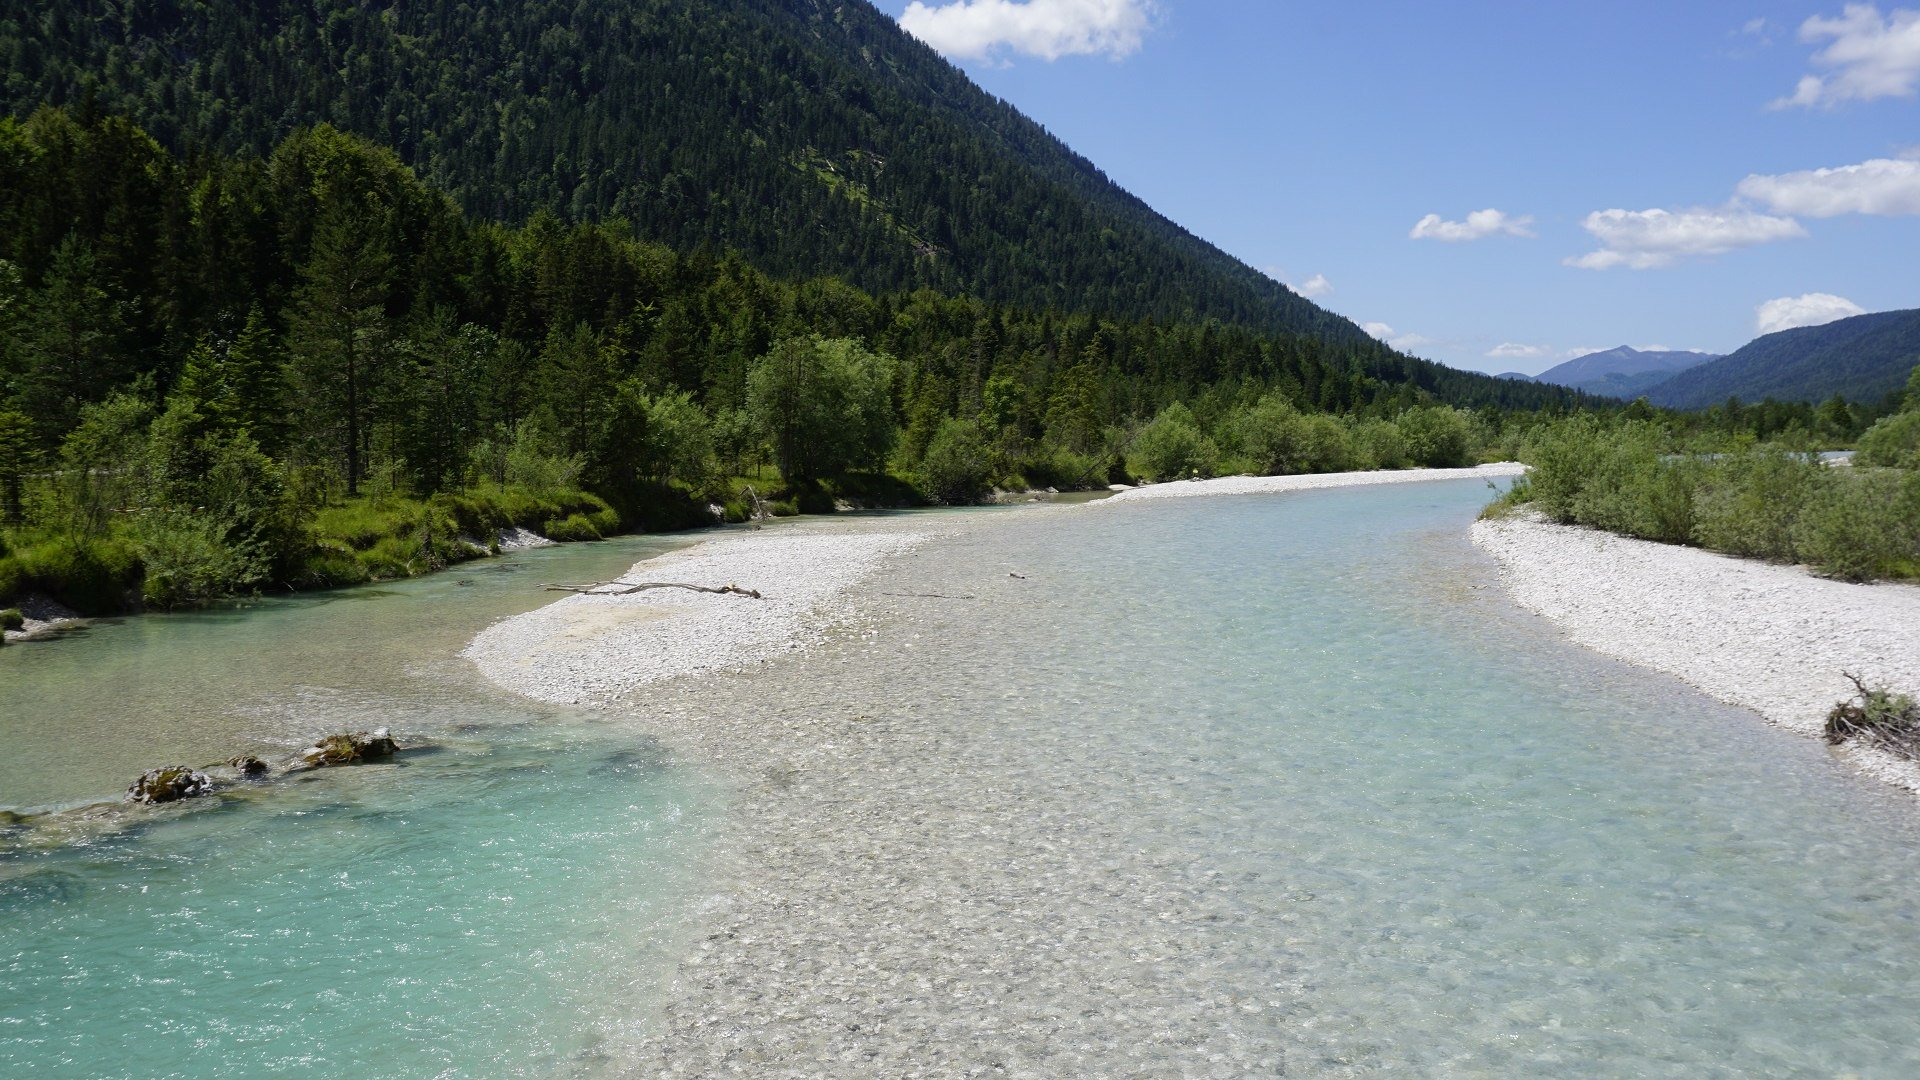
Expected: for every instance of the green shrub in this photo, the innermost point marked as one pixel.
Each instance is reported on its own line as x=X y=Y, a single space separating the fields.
x=1437 y=437
x=12 y=578
x=1060 y=467
x=1894 y=442
x=1272 y=436
x=572 y=528
x=189 y=559
x=93 y=577
x=1378 y=444
x=1863 y=525
x=396 y=557
x=330 y=567
x=1750 y=503
x=12 y=619
x=1173 y=446
x=958 y=465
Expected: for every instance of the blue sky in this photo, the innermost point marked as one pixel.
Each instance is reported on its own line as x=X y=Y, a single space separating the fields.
x=1680 y=175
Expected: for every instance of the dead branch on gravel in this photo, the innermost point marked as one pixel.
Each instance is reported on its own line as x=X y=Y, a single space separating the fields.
x=1879 y=717
x=628 y=588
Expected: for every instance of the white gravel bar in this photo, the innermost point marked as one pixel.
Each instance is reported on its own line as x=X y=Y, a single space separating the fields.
x=1267 y=485
x=591 y=648
x=1771 y=638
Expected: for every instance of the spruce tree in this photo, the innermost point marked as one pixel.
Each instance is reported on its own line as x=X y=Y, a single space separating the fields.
x=339 y=336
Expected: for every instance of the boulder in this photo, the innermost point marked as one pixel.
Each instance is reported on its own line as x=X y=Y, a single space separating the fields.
x=169 y=783
x=249 y=767
x=350 y=748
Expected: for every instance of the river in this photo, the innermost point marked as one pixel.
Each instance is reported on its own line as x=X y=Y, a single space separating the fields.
x=1213 y=787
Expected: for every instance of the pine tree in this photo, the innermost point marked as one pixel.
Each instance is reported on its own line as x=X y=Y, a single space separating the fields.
x=72 y=337
x=339 y=336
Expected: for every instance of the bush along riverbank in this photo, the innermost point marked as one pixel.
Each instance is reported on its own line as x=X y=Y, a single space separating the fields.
x=1776 y=501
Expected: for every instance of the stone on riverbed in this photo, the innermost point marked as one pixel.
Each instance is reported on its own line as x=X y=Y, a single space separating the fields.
x=350 y=748
x=169 y=783
x=248 y=766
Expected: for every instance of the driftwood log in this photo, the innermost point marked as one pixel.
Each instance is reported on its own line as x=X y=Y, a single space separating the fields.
x=628 y=588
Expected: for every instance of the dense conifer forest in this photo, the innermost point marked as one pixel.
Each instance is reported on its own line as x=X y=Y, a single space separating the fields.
x=811 y=137
x=224 y=372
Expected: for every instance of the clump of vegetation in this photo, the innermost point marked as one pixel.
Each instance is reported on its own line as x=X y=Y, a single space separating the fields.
x=12 y=619
x=1879 y=717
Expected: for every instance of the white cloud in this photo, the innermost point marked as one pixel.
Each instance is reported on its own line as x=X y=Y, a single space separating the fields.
x=1394 y=339
x=1880 y=186
x=1479 y=225
x=1509 y=350
x=1813 y=309
x=1646 y=239
x=1315 y=287
x=1048 y=29
x=1871 y=56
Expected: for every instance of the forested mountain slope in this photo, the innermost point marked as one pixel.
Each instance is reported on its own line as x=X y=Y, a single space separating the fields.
x=813 y=136
x=1863 y=359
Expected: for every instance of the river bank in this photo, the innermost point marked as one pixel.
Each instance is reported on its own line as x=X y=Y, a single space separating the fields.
x=1276 y=485
x=593 y=647
x=1770 y=638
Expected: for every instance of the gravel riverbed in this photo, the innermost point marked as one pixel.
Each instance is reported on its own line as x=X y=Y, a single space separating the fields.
x=1274 y=485
x=1771 y=638
x=592 y=647
x=920 y=871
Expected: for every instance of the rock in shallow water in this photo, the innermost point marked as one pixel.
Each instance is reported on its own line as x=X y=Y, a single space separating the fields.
x=169 y=783
x=350 y=748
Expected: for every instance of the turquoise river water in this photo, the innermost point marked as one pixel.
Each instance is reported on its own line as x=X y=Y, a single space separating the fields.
x=1439 y=840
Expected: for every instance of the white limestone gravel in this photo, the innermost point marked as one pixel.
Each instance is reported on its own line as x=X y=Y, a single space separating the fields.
x=1771 y=638
x=1267 y=485
x=591 y=648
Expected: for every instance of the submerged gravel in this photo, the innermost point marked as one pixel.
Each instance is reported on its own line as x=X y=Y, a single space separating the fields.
x=1771 y=638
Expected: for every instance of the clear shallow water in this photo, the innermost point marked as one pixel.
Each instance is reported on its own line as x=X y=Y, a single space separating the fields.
x=506 y=904
x=82 y=716
x=1439 y=840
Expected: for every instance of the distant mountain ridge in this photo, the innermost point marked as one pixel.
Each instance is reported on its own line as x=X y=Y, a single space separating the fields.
x=1863 y=358
x=1622 y=372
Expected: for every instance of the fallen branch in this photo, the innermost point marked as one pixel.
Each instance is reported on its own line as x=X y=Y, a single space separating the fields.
x=628 y=588
x=1879 y=717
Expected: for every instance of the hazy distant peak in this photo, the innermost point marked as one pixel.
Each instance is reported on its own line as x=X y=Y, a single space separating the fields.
x=1621 y=361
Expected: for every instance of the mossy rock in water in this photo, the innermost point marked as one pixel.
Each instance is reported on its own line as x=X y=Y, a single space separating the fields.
x=11 y=818
x=169 y=783
x=350 y=748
